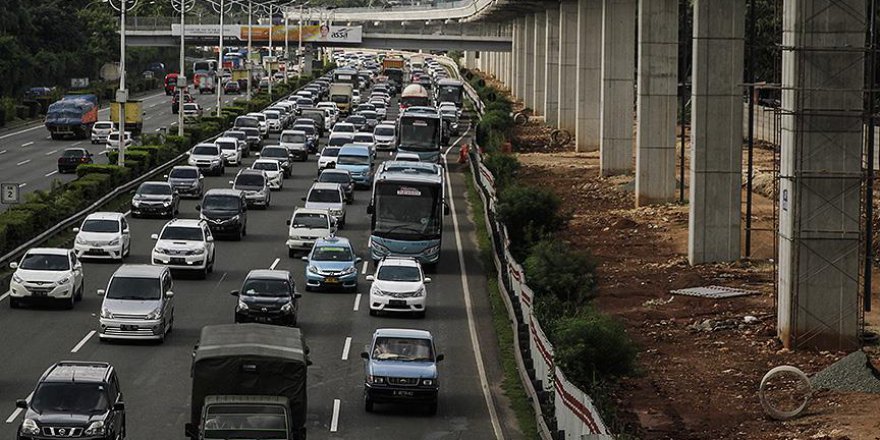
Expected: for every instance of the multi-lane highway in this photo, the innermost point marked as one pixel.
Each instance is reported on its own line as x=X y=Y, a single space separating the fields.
x=155 y=378
x=29 y=157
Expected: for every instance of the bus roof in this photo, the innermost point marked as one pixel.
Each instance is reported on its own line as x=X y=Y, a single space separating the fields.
x=416 y=172
x=420 y=112
x=449 y=82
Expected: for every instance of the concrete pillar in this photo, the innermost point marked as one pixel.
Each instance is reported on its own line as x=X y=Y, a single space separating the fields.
x=589 y=59
x=820 y=174
x=523 y=58
x=528 y=93
x=551 y=67
x=618 y=81
x=568 y=54
x=716 y=132
x=470 y=60
x=516 y=35
x=657 y=104
x=539 y=63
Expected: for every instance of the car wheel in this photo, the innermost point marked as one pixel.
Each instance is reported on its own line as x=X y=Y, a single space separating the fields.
x=238 y=235
x=127 y=251
x=69 y=303
x=244 y=230
x=203 y=274
x=79 y=293
x=368 y=404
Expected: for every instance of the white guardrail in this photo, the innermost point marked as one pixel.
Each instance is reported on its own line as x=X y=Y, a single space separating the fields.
x=572 y=415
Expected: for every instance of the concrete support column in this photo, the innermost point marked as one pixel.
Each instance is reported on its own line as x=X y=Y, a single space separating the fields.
x=551 y=66
x=820 y=174
x=716 y=132
x=589 y=59
x=528 y=92
x=618 y=80
x=568 y=55
x=539 y=53
x=523 y=59
x=657 y=104
x=470 y=60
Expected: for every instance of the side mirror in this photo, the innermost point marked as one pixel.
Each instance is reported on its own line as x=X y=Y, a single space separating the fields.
x=258 y=154
x=119 y=406
x=304 y=258
x=234 y=293
x=21 y=403
x=169 y=294
x=126 y=231
x=201 y=177
x=371 y=278
x=198 y=207
x=231 y=182
x=154 y=237
x=427 y=280
x=303 y=198
x=209 y=239
x=445 y=209
x=440 y=357
x=75 y=229
x=369 y=209
x=288 y=222
x=13 y=265
x=365 y=355
x=101 y=292
x=164 y=176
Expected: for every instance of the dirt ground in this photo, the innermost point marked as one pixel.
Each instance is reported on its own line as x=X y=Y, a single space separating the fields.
x=701 y=360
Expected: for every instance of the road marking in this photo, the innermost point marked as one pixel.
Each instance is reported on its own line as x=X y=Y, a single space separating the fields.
x=274 y=263
x=23 y=162
x=49 y=153
x=83 y=341
x=154 y=105
x=76 y=144
x=126 y=213
x=334 y=422
x=472 y=330
x=222 y=277
x=27 y=144
x=18 y=411
x=3 y=152
x=346 y=348
x=357 y=302
x=22 y=185
x=147 y=118
x=366 y=265
x=23 y=131
x=56 y=172
x=2 y=297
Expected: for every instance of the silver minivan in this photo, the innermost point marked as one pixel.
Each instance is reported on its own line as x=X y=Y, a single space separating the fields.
x=138 y=303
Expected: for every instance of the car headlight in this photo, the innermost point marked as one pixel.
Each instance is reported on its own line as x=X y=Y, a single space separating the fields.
x=81 y=240
x=432 y=249
x=135 y=203
x=336 y=212
x=105 y=313
x=30 y=427
x=287 y=307
x=350 y=269
x=95 y=428
x=62 y=281
x=155 y=314
x=428 y=382
x=234 y=219
x=420 y=292
x=312 y=269
x=242 y=305
x=114 y=242
x=375 y=379
x=166 y=203
x=195 y=184
x=198 y=251
x=159 y=250
x=17 y=278
x=380 y=292
x=216 y=161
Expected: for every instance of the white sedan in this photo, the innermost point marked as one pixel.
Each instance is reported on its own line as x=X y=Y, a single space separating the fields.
x=273 y=171
x=398 y=286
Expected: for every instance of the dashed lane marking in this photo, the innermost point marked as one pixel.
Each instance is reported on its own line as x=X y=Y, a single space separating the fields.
x=23 y=162
x=357 y=302
x=274 y=263
x=49 y=153
x=51 y=174
x=346 y=348
x=83 y=341
x=334 y=421
x=27 y=144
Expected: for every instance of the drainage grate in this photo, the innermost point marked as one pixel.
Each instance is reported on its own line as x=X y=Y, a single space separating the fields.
x=715 y=292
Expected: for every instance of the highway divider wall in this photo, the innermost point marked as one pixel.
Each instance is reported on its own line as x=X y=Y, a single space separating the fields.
x=563 y=410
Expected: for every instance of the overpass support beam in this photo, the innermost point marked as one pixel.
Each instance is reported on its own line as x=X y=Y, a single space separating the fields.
x=539 y=44
x=618 y=80
x=589 y=59
x=823 y=54
x=716 y=132
x=657 y=101
x=568 y=55
x=551 y=66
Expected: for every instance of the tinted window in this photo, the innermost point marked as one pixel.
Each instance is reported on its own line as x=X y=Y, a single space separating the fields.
x=242 y=121
x=73 y=153
x=181 y=233
x=335 y=177
x=293 y=138
x=205 y=151
x=368 y=138
x=270 y=287
x=274 y=152
x=227 y=145
x=100 y=226
x=332 y=253
x=353 y=160
x=134 y=288
x=75 y=398
x=324 y=196
x=384 y=131
x=399 y=273
x=343 y=128
x=338 y=141
x=249 y=180
x=221 y=203
x=184 y=173
x=154 y=189
x=330 y=152
x=45 y=262
x=268 y=166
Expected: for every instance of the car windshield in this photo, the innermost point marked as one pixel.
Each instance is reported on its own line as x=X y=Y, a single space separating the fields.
x=271 y=115
x=274 y=152
x=154 y=189
x=45 y=262
x=324 y=196
x=384 y=131
x=403 y=349
x=338 y=141
x=353 y=160
x=249 y=180
x=330 y=152
x=73 y=153
x=74 y=398
x=332 y=253
x=269 y=287
x=309 y=220
x=370 y=115
x=103 y=125
x=357 y=120
x=205 y=151
x=334 y=177
x=227 y=145
x=221 y=203
x=181 y=233
x=343 y=128
x=268 y=166
x=240 y=135
x=293 y=138
x=307 y=129
x=134 y=288
x=242 y=121
x=100 y=226
x=399 y=273
x=364 y=137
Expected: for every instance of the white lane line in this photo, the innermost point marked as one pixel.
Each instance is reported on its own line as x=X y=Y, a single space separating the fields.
x=357 y=302
x=147 y=118
x=49 y=153
x=126 y=213
x=2 y=297
x=18 y=411
x=220 y=281
x=3 y=152
x=274 y=263
x=23 y=131
x=23 y=162
x=346 y=348
x=472 y=328
x=56 y=172
x=102 y=153
x=22 y=185
x=48 y=137
x=83 y=341
x=366 y=265
x=154 y=105
x=75 y=144
x=27 y=144
x=334 y=422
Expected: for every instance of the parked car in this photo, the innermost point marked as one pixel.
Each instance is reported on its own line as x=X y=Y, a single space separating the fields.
x=138 y=303
x=46 y=274
x=185 y=244
x=327 y=196
x=208 y=158
x=187 y=181
x=307 y=225
x=273 y=171
x=267 y=297
x=332 y=265
x=254 y=184
x=398 y=286
x=401 y=366
x=72 y=158
x=100 y=131
x=225 y=212
x=103 y=235
x=155 y=198
x=343 y=178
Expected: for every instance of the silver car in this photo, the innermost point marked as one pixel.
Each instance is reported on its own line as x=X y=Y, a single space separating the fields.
x=255 y=186
x=138 y=303
x=329 y=196
x=187 y=181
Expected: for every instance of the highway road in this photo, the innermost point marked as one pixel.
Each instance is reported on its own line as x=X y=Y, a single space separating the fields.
x=29 y=156
x=155 y=378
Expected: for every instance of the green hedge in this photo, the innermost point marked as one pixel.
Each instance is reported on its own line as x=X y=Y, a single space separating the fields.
x=531 y=214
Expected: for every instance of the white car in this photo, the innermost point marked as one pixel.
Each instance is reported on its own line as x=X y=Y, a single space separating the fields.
x=113 y=140
x=46 y=274
x=381 y=107
x=306 y=226
x=343 y=127
x=273 y=171
x=184 y=244
x=329 y=197
x=398 y=286
x=273 y=120
x=385 y=136
x=355 y=97
x=407 y=157
x=103 y=235
x=230 y=148
x=326 y=156
x=261 y=118
x=100 y=131
x=334 y=111
x=208 y=158
x=365 y=139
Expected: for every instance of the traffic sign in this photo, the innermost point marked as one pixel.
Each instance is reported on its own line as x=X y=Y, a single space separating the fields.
x=9 y=193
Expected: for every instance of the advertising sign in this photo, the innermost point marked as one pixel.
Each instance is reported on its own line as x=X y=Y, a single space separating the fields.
x=310 y=34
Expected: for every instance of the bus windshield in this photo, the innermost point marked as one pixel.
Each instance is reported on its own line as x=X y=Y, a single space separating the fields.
x=408 y=211
x=449 y=93
x=421 y=134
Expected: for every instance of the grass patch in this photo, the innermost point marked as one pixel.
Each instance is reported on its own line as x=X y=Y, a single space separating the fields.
x=511 y=385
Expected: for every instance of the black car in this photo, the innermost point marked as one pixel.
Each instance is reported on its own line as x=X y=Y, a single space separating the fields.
x=281 y=154
x=343 y=178
x=254 y=137
x=225 y=212
x=72 y=158
x=155 y=198
x=74 y=399
x=267 y=296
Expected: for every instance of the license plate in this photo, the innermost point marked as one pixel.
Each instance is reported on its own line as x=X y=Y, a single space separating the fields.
x=96 y=250
x=396 y=302
x=177 y=261
x=403 y=393
x=40 y=293
x=331 y=280
x=126 y=327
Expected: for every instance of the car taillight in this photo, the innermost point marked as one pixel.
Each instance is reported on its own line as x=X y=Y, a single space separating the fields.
x=83 y=159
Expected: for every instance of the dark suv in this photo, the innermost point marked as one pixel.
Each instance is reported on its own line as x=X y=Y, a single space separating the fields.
x=74 y=399
x=225 y=211
x=267 y=296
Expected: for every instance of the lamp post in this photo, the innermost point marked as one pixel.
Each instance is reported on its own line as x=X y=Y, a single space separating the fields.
x=222 y=9
x=271 y=54
x=299 y=60
x=122 y=93
x=181 y=6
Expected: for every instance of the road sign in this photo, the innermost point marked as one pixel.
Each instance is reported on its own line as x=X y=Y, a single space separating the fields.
x=9 y=193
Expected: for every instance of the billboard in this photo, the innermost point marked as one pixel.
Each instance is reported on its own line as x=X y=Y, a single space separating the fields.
x=310 y=33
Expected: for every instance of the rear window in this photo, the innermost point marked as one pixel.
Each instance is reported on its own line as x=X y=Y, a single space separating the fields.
x=339 y=141
x=330 y=152
x=184 y=173
x=73 y=153
x=324 y=196
x=249 y=180
x=293 y=138
x=384 y=131
x=103 y=125
x=205 y=151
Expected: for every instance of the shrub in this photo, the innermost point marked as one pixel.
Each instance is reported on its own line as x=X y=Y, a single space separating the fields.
x=152 y=139
x=554 y=268
x=592 y=346
x=530 y=214
x=178 y=144
x=503 y=168
x=19 y=226
x=118 y=174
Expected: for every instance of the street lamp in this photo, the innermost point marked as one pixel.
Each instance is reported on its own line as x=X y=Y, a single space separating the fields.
x=181 y=6
x=222 y=9
x=122 y=94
